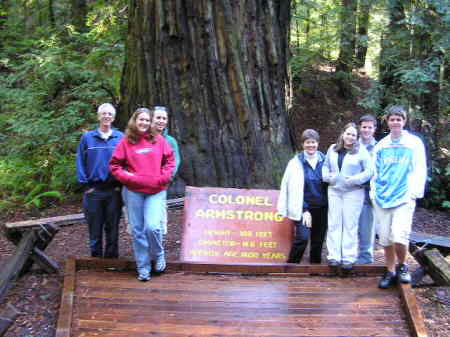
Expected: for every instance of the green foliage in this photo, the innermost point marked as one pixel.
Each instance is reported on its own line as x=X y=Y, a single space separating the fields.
x=314 y=37
x=438 y=195
x=52 y=80
x=32 y=181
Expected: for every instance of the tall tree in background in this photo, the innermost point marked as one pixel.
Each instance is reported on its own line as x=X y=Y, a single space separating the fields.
x=414 y=52
x=220 y=66
x=431 y=51
x=362 y=39
x=346 y=59
x=51 y=13
x=79 y=13
x=395 y=47
x=4 y=8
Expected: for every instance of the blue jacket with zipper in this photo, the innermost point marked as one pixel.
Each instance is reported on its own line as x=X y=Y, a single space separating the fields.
x=93 y=156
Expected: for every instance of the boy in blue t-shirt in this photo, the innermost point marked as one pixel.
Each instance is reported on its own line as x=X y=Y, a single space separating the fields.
x=399 y=179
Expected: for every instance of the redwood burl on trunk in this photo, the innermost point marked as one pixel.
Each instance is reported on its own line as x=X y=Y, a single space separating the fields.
x=221 y=68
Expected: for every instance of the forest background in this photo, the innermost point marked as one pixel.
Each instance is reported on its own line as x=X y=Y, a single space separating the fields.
x=60 y=59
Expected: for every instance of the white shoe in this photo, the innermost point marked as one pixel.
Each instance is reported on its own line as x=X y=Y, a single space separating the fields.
x=160 y=263
x=144 y=277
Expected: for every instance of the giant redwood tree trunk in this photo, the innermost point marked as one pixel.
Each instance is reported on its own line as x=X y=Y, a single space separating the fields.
x=220 y=67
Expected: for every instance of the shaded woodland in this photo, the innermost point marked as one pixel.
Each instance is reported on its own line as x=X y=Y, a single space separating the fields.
x=241 y=79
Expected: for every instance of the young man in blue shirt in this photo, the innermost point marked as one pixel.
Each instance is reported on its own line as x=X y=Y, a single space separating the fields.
x=102 y=201
x=399 y=179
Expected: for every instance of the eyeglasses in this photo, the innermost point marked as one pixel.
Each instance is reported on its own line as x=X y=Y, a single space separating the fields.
x=160 y=108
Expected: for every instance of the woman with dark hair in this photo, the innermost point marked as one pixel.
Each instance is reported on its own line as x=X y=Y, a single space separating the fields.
x=143 y=162
x=303 y=199
x=159 y=127
x=347 y=167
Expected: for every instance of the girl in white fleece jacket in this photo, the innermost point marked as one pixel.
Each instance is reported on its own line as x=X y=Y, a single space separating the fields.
x=347 y=167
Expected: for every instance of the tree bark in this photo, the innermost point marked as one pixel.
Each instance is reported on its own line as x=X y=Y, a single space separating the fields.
x=362 y=40
x=424 y=49
x=395 y=49
x=221 y=68
x=51 y=13
x=79 y=12
x=345 y=62
x=4 y=12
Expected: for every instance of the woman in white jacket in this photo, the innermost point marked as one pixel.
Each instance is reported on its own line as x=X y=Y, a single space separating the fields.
x=347 y=167
x=303 y=198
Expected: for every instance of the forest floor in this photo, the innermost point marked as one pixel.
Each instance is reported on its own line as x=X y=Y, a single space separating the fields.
x=37 y=295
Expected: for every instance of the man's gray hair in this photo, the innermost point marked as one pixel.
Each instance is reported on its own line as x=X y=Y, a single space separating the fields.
x=106 y=106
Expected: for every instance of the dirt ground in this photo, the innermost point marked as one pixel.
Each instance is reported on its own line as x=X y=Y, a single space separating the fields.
x=37 y=295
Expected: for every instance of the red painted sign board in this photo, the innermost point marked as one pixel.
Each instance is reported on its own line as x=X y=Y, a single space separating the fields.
x=229 y=225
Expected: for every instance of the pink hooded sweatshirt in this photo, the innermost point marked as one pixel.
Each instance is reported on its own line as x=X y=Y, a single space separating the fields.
x=143 y=167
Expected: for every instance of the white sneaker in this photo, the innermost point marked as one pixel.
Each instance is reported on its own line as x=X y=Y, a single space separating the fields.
x=160 y=263
x=144 y=277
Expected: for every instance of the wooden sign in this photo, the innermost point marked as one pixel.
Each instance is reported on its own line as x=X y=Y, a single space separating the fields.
x=228 y=225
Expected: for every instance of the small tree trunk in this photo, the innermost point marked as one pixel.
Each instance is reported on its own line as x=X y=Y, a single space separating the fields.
x=363 y=29
x=395 y=49
x=4 y=11
x=345 y=61
x=79 y=12
x=348 y=35
x=51 y=13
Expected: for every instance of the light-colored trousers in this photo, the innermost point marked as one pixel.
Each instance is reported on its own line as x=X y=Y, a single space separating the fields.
x=145 y=212
x=344 y=209
x=163 y=220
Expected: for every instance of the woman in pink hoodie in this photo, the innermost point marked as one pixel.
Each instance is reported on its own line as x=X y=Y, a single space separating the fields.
x=143 y=162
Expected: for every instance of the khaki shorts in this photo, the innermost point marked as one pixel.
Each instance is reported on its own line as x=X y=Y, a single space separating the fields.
x=393 y=225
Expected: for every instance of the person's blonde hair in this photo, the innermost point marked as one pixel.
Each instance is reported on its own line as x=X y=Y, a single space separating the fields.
x=132 y=133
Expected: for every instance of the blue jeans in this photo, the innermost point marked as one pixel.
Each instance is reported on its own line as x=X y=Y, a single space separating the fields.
x=145 y=213
x=366 y=234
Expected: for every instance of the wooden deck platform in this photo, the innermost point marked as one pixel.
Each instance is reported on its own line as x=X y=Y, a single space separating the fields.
x=103 y=298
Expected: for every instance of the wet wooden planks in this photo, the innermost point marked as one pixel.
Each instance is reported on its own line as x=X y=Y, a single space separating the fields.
x=114 y=303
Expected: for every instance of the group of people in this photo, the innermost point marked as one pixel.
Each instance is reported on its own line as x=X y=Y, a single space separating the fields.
x=359 y=188
x=136 y=169
x=339 y=198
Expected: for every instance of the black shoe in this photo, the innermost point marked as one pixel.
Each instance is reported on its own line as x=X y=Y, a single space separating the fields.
x=388 y=280
x=403 y=274
x=334 y=266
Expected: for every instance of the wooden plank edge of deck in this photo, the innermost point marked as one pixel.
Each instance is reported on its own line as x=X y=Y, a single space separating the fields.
x=238 y=268
x=412 y=311
x=64 y=324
